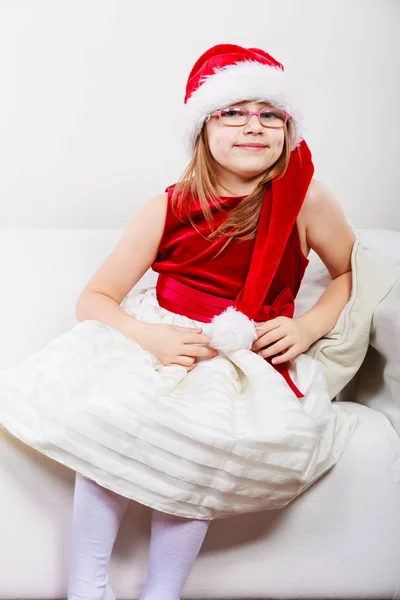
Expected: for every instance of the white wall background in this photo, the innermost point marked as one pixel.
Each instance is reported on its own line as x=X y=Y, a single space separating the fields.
x=84 y=84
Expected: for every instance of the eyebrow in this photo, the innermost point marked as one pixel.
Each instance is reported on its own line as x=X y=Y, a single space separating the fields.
x=258 y=103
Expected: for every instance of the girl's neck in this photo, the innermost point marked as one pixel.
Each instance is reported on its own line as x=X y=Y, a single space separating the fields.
x=231 y=193
x=236 y=190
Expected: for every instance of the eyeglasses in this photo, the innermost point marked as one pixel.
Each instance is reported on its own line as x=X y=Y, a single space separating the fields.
x=236 y=116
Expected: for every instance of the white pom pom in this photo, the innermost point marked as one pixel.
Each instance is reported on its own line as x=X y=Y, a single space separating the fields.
x=231 y=330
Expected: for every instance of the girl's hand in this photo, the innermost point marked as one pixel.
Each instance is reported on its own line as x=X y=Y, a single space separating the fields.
x=281 y=335
x=174 y=345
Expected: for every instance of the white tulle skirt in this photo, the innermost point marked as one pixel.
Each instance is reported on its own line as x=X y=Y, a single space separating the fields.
x=229 y=437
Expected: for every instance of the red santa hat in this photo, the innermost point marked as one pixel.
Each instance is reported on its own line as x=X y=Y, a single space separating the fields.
x=228 y=73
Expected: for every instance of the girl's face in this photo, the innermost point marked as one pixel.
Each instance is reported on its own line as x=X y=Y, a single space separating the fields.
x=240 y=168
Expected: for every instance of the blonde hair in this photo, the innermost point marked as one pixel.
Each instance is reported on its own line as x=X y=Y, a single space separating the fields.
x=199 y=180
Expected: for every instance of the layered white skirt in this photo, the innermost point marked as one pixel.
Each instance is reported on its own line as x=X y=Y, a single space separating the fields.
x=229 y=437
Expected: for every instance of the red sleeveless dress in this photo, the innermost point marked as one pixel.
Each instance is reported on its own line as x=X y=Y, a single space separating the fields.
x=188 y=257
x=193 y=283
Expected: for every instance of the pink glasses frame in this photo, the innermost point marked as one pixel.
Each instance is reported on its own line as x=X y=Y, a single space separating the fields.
x=217 y=113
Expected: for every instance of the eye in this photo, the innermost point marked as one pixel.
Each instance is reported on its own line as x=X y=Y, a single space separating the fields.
x=233 y=112
x=274 y=115
x=270 y=114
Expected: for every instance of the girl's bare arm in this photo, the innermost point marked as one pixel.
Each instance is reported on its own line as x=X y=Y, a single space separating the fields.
x=330 y=236
x=122 y=269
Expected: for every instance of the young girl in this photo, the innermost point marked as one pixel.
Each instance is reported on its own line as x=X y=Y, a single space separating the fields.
x=195 y=397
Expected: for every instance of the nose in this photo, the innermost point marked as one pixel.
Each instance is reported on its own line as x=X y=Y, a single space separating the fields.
x=254 y=124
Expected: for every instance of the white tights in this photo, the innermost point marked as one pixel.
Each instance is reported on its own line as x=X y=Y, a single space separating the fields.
x=97 y=513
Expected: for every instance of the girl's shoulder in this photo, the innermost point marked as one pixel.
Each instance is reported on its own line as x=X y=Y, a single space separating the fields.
x=315 y=192
x=168 y=193
x=327 y=230
x=318 y=198
x=178 y=209
x=170 y=188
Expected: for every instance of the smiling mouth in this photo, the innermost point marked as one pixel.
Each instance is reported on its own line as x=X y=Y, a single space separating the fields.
x=254 y=148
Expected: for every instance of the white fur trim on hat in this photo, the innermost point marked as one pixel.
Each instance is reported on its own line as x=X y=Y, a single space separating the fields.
x=245 y=80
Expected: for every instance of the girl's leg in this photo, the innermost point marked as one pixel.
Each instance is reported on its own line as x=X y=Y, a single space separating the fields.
x=174 y=545
x=97 y=514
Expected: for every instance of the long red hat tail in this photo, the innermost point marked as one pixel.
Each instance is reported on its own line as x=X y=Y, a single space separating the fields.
x=277 y=218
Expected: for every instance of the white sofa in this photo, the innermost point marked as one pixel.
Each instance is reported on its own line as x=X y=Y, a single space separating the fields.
x=339 y=539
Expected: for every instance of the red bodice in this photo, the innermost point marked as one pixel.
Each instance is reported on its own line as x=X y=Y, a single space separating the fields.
x=189 y=258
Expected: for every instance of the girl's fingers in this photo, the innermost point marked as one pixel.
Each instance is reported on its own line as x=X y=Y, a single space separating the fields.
x=275 y=349
x=188 y=329
x=199 y=351
x=197 y=338
x=263 y=340
x=184 y=361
